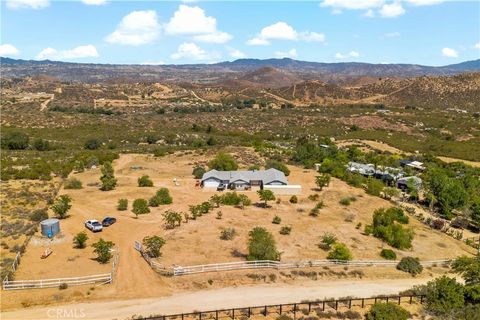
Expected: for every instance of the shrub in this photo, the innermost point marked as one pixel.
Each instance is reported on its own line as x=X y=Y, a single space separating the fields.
x=153 y=245
x=345 y=201
x=340 y=252
x=293 y=199
x=374 y=187
x=277 y=165
x=80 y=240
x=172 y=219
x=41 y=145
x=410 y=265
x=145 y=181
x=198 y=172
x=285 y=230
x=39 y=215
x=122 y=204
x=102 y=249
x=387 y=311
x=223 y=162
x=73 y=183
x=328 y=239
x=164 y=196
x=388 y=254
x=313 y=197
x=15 y=141
x=261 y=245
x=219 y=215
x=92 y=144
x=227 y=234
x=140 y=206
x=443 y=295
x=63 y=286
x=61 y=206
x=387 y=226
x=276 y=220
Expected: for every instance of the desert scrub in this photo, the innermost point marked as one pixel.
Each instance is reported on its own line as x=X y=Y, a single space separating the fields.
x=410 y=265
x=228 y=234
x=73 y=183
x=276 y=220
x=285 y=230
x=293 y=199
x=122 y=204
x=388 y=254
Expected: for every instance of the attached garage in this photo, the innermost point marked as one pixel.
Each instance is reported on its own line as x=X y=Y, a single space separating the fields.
x=211 y=183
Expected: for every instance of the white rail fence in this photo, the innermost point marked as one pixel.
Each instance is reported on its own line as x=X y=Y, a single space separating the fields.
x=241 y=265
x=55 y=283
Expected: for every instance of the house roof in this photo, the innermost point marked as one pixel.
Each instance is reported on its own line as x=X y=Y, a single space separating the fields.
x=266 y=176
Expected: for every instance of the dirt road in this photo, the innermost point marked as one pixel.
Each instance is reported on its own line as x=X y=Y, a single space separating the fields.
x=217 y=299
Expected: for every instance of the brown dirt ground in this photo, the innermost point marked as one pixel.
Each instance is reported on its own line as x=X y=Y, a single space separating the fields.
x=198 y=242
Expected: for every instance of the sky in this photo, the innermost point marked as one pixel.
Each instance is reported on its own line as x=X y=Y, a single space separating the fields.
x=427 y=32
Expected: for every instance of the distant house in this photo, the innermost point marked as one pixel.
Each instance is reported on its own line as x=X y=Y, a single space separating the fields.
x=364 y=169
x=412 y=164
x=242 y=180
x=402 y=183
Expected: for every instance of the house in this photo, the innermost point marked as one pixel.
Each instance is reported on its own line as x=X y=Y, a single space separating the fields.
x=242 y=180
x=363 y=169
x=412 y=164
x=402 y=183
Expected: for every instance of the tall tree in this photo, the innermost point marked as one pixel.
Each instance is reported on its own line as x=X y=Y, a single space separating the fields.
x=109 y=182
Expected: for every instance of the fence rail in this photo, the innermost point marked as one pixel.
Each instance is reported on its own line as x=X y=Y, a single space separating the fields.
x=55 y=283
x=241 y=265
x=304 y=308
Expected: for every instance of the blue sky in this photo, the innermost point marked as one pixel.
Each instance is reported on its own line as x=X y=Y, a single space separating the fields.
x=429 y=32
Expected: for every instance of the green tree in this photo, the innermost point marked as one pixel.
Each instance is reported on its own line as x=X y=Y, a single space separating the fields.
x=162 y=197
x=172 y=219
x=390 y=192
x=198 y=172
x=61 y=206
x=103 y=250
x=340 y=252
x=145 y=181
x=15 y=140
x=266 y=195
x=153 y=244
x=261 y=245
x=443 y=295
x=80 y=240
x=374 y=187
x=468 y=268
x=92 y=144
x=109 y=182
x=122 y=204
x=223 y=162
x=387 y=311
x=277 y=165
x=322 y=181
x=140 y=206
x=41 y=145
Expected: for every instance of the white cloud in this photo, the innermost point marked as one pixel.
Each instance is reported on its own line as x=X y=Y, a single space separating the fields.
x=352 y=4
x=27 y=4
x=449 y=53
x=189 y=50
x=283 y=31
x=424 y=2
x=369 y=13
x=292 y=53
x=216 y=37
x=477 y=45
x=150 y=63
x=392 y=10
x=351 y=54
x=191 y=20
x=95 y=2
x=392 y=34
x=235 y=53
x=8 y=50
x=87 y=51
x=136 y=28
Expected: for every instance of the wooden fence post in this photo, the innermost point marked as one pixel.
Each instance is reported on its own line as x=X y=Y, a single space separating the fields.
x=216 y=315
x=363 y=303
x=399 y=297
x=323 y=305
x=411 y=299
x=294 y=311
x=350 y=304
x=336 y=304
x=309 y=307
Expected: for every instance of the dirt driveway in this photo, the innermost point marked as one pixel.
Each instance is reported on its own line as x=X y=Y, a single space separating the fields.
x=220 y=299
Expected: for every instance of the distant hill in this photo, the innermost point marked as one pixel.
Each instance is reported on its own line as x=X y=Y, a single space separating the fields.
x=236 y=70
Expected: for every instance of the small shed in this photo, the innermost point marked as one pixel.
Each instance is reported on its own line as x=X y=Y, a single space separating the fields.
x=50 y=227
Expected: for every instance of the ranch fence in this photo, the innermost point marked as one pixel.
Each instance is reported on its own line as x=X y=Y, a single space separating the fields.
x=99 y=279
x=260 y=264
x=294 y=309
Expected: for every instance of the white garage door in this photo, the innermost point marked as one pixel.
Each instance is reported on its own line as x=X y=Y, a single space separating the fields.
x=211 y=183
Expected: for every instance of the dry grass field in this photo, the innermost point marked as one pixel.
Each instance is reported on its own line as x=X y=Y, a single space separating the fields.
x=198 y=242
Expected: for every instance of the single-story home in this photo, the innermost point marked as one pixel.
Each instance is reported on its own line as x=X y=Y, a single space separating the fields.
x=412 y=164
x=243 y=179
x=363 y=169
x=402 y=183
